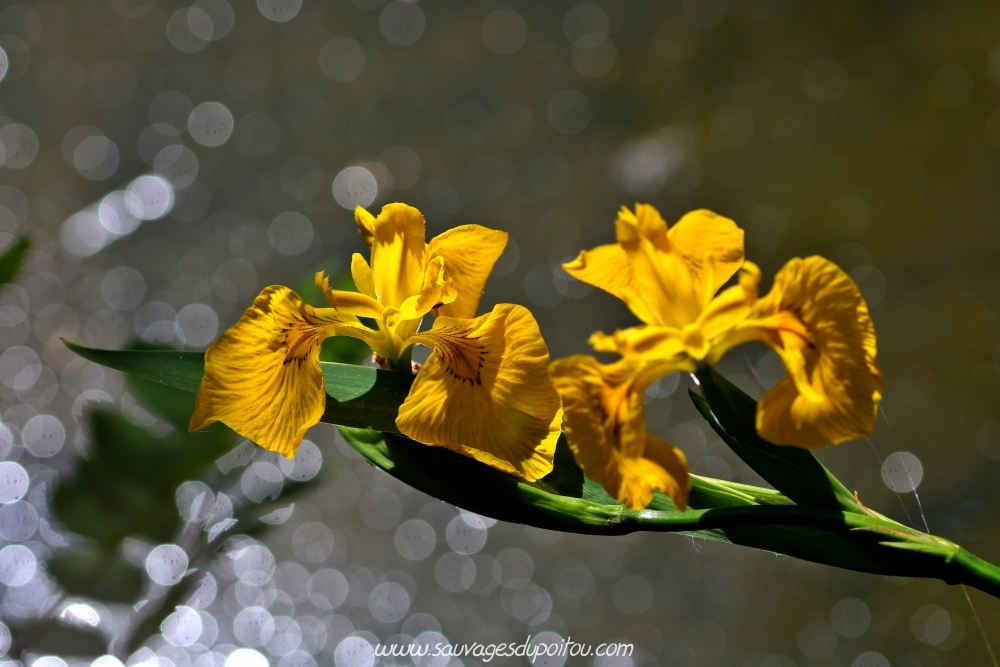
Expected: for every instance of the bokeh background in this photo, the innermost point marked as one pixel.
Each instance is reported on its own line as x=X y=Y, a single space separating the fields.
x=170 y=160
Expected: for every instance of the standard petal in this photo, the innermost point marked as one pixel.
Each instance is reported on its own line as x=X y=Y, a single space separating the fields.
x=605 y=428
x=663 y=277
x=397 y=254
x=364 y=280
x=608 y=268
x=817 y=321
x=262 y=376
x=485 y=392
x=469 y=253
x=646 y=222
x=366 y=225
x=712 y=247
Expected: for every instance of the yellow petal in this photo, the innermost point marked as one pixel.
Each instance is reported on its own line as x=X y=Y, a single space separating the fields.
x=721 y=323
x=645 y=223
x=485 y=392
x=663 y=468
x=663 y=276
x=366 y=226
x=469 y=252
x=712 y=247
x=607 y=267
x=351 y=303
x=262 y=376
x=436 y=290
x=397 y=254
x=653 y=344
x=362 y=275
x=605 y=428
x=818 y=323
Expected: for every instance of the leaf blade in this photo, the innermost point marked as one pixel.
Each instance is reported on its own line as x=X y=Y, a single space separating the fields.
x=795 y=472
x=12 y=260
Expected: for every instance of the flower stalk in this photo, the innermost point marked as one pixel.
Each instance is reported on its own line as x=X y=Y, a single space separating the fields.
x=809 y=515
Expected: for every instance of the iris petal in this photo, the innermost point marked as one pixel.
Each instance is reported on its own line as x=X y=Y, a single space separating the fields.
x=818 y=323
x=469 y=252
x=262 y=376
x=437 y=289
x=485 y=392
x=607 y=267
x=712 y=247
x=398 y=254
x=366 y=225
x=605 y=428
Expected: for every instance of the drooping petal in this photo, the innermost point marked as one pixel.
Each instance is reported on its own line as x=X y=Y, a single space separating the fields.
x=818 y=323
x=485 y=392
x=712 y=247
x=397 y=254
x=262 y=376
x=663 y=468
x=366 y=226
x=436 y=290
x=607 y=267
x=469 y=252
x=605 y=428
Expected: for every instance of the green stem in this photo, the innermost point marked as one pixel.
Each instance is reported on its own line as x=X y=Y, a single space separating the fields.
x=861 y=542
x=404 y=363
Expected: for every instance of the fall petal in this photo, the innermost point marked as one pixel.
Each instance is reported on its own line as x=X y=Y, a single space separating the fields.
x=485 y=392
x=262 y=376
x=605 y=428
x=818 y=323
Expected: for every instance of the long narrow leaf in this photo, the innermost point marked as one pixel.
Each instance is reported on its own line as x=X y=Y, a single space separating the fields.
x=823 y=527
x=795 y=472
x=11 y=261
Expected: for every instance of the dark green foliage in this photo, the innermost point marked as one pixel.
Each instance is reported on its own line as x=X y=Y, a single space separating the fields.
x=127 y=487
x=793 y=471
x=811 y=515
x=11 y=261
x=55 y=638
x=95 y=574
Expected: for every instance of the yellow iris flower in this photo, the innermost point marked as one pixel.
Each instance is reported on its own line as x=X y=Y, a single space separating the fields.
x=484 y=390
x=814 y=318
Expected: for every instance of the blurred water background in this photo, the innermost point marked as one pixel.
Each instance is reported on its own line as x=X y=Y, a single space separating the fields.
x=170 y=160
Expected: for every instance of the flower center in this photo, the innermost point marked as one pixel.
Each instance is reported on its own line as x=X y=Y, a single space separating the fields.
x=695 y=343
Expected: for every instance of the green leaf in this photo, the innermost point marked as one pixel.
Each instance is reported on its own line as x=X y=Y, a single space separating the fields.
x=720 y=511
x=13 y=258
x=173 y=368
x=128 y=485
x=361 y=397
x=90 y=573
x=793 y=471
x=810 y=516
